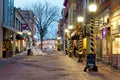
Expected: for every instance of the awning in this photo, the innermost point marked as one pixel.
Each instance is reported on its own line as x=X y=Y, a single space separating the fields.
x=11 y=28
x=19 y=37
x=75 y=37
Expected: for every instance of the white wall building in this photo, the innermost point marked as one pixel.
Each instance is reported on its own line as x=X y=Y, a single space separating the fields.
x=49 y=44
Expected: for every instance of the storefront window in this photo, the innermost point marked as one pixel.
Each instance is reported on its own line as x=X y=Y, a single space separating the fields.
x=8 y=12
x=116 y=45
x=114 y=25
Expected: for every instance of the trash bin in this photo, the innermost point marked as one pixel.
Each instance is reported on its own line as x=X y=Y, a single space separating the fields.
x=28 y=53
x=4 y=54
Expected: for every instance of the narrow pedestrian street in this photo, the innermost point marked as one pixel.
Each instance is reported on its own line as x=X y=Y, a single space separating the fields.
x=53 y=66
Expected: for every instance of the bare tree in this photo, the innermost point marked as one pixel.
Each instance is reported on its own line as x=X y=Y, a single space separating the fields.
x=45 y=14
x=52 y=32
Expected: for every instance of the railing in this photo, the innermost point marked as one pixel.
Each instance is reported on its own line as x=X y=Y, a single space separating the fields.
x=116 y=61
x=106 y=59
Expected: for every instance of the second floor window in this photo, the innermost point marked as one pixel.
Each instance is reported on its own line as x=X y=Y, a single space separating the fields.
x=101 y=1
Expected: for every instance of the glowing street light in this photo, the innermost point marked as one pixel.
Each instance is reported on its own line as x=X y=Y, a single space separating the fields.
x=58 y=38
x=80 y=19
x=29 y=33
x=70 y=27
x=92 y=7
x=66 y=30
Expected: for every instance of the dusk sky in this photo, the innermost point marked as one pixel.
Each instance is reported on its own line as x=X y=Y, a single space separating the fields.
x=22 y=3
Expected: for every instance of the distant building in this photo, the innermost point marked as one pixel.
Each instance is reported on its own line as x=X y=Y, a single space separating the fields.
x=49 y=44
x=29 y=25
x=29 y=17
x=19 y=38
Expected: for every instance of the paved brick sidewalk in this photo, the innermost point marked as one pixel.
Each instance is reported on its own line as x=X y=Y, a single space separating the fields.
x=53 y=66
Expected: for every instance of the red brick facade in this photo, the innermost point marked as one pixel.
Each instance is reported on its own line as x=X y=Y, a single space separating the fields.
x=102 y=5
x=115 y=4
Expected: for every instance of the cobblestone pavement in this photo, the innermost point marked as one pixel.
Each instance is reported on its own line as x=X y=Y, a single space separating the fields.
x=53 y=66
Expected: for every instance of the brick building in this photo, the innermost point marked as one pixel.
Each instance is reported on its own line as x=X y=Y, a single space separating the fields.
x=105 y=27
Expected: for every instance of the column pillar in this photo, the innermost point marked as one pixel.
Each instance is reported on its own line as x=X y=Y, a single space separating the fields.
x=14 y=43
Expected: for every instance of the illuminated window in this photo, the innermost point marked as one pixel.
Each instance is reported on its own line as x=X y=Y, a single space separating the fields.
x=8 y=12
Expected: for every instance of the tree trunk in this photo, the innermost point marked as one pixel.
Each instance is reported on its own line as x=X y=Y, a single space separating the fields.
x=41 y=42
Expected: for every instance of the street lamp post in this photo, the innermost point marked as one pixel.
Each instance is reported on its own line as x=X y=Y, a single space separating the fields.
x=92 y=8
x=66 y=48
x=91 y=58
x=70 y=27
x=80 y=19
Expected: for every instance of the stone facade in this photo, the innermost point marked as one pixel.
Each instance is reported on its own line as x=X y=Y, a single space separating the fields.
x=1 y=31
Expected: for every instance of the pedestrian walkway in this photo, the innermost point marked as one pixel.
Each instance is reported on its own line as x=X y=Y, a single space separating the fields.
x=56 y=65
x=104 y=72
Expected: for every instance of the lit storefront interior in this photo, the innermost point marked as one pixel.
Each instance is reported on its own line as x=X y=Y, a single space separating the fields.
x=116 y=44
x=115 y=23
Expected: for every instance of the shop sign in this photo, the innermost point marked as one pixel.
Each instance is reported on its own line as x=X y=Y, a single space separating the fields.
x=104 y=32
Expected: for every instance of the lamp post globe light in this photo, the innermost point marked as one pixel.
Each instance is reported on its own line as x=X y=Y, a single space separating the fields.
x=70 y=27
x=92 y=7
x=66 y=31
x=59 y=43
x=80 y=19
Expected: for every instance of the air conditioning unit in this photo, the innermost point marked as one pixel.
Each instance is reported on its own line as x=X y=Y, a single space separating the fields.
x=116 y=30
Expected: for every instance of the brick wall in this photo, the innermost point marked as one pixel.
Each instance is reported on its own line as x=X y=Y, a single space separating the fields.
x=103 y=5
x=115 y=4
